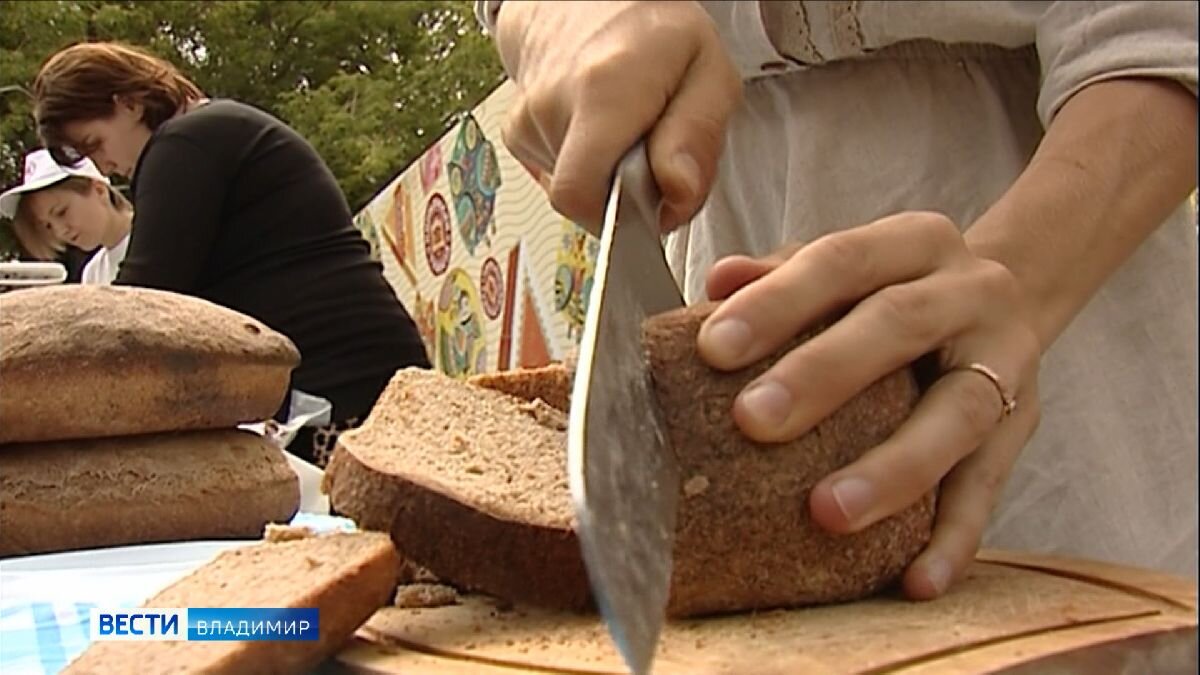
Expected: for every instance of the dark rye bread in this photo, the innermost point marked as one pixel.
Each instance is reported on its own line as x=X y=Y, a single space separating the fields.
x=471 y=483
x=99 y=361
x=345 y=576
x=64 y=495
x=744 y=535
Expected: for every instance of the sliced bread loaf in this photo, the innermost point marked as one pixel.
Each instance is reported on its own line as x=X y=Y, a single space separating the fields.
x=473 y=486
x=470 y=482
x=345 y=576
x=63 y=495
x=99 y=361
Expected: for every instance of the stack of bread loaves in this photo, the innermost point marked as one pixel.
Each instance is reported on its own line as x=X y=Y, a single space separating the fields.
x=119 y=410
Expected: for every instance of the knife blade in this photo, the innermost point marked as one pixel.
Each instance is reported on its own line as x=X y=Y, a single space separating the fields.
x=623 y=476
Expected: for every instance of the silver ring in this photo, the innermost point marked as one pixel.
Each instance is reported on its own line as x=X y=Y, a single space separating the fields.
x=1009 y=403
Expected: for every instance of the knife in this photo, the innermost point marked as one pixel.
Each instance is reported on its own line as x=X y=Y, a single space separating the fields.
x=623 y=476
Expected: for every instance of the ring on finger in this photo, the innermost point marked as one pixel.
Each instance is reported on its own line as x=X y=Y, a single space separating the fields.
x=1008 y=401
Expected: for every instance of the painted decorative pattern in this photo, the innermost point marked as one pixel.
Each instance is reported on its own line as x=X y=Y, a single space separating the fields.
x=493 y=276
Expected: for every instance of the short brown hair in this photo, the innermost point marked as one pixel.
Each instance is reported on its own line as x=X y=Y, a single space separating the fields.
x=40 y=242
x=80 y=83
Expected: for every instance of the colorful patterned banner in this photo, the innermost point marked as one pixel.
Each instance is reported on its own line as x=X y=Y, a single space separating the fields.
x=494 y=277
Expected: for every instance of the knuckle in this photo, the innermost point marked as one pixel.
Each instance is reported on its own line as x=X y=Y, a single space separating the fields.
x=783 y=254
x=570 y=198
x=539 y=107
x=694 y=21
x=530 y=163
x=938 y=224
x=840 y=257
x=906 y=311
x=940 y=231
x=522 y=143
x=669 y=25
x=599 y=75
x=997 y=281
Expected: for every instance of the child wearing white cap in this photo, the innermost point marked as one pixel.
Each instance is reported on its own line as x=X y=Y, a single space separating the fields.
x=59 y=205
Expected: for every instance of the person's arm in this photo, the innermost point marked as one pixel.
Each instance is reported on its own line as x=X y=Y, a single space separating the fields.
x=1118 y=101
x=1118 y=158
x=179 y=196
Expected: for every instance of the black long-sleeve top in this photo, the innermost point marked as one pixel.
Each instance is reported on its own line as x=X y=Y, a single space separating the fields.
x=233 y=206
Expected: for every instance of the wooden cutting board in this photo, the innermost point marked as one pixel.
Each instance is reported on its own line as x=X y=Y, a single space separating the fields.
x=1014 y=612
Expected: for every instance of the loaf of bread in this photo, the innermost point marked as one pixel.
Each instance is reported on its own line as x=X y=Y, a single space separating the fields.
x=99 y=361
x=63 y=495
x=472 y=484
x=345 y=576
x=744 y=538
x=551 y=383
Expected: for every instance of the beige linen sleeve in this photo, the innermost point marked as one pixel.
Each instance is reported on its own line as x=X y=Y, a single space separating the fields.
x=1081 y=43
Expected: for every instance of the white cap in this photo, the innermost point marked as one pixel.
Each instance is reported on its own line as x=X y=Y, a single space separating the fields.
x=41 y=171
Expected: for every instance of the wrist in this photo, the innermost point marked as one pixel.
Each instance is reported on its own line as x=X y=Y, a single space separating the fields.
x=1116 y=161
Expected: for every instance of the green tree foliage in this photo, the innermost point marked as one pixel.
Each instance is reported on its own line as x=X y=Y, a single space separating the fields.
x=369 y=84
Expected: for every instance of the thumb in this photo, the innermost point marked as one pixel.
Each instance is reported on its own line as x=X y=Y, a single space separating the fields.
x=685 y=145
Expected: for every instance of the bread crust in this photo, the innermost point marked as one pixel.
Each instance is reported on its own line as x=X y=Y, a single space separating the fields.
x=101 y=361
x=550 y=383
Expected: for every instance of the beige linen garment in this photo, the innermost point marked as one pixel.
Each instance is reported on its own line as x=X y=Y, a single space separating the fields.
x=856 y=110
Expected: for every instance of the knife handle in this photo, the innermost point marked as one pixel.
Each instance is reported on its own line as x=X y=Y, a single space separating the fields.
x=639 y=191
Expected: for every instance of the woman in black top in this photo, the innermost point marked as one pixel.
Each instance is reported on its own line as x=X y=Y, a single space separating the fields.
x=233 y=206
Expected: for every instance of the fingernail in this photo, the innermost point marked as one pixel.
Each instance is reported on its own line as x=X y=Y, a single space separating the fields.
x=854 y=496
x=937 y=570
x=688 y=170
x=769 y=403
x=727 y=340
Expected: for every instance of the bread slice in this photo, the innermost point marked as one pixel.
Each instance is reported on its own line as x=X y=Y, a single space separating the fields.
x=101 y=361
x=473 y=486
x=551 y=383
x=63 y=495
x=345 y=576
x=471 y=483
